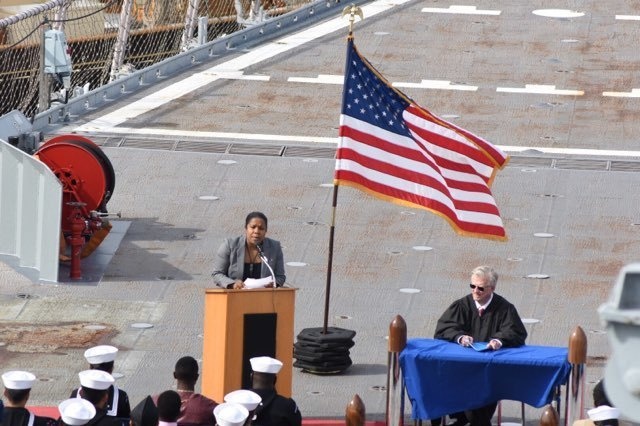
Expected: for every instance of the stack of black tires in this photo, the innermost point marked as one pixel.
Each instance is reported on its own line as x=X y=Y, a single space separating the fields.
x=322 y=352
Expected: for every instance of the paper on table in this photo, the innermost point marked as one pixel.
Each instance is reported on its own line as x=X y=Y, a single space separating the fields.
x=480 y=346
x=257 y=283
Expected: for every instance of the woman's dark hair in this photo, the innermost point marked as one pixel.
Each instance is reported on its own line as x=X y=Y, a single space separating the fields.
x=254 y=215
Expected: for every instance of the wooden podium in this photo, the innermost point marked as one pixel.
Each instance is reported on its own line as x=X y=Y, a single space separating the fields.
x=240 y=325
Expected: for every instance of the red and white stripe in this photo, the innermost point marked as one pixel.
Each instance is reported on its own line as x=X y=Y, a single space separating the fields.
x=441 y=168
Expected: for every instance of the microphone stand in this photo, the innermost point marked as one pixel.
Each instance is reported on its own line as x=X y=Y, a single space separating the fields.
x=266 y=262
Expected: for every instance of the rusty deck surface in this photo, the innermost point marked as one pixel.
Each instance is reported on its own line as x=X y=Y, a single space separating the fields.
x=557 y=92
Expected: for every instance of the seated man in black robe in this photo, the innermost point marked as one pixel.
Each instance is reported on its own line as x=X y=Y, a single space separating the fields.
x=482 y=316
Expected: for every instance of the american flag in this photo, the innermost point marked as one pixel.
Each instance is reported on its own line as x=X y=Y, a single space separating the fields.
x=396 y=150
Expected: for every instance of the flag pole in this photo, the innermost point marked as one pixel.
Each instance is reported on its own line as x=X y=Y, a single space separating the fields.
x=352 y=11
x=330 y=260
x=325 y=350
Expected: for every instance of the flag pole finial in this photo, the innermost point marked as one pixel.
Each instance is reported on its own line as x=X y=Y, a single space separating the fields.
x=352 y=11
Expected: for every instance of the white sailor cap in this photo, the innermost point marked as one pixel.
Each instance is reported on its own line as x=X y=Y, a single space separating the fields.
x=100 y=354
x=603 y=412
x=230 y=414
x=96 y=379
x=76 y=411
x=265 y=364
x=18 y=380
x=250 y=400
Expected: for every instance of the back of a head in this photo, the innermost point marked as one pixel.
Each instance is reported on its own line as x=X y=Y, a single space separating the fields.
x=600 y=396
x=145 y=413
x=263 y=380
x=17 y=396
x=94 y=396
x=103 y=366
x=17 y=386
x=169 y=406
x=186 y=369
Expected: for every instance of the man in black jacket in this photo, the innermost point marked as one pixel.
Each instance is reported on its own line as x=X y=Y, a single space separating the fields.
x=482 y=316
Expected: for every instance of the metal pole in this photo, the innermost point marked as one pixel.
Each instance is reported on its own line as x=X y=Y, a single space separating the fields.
x=61 y=15
x=123 y=35
x=575 y=389
x=189 y=23
x=44 y=84
x=203 y=24
x=327 y=291
x=395 y=385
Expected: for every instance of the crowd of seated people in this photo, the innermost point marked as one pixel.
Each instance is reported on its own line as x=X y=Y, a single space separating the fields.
x=98 y=401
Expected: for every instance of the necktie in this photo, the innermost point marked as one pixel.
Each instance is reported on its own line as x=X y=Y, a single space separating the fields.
x=480 y=311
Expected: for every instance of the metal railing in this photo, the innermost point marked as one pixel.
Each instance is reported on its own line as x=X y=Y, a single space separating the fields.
x=110 y=40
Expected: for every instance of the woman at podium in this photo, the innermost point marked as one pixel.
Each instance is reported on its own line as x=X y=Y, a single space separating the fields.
x=250 y=260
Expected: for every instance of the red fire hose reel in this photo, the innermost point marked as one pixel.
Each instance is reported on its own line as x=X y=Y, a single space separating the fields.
x=88 y=180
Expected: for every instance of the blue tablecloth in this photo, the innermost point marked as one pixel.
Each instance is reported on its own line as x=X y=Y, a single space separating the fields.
x=443 y=377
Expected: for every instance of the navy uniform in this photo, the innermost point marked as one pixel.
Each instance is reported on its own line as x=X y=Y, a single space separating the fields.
x=20 y=416
x=275 y=410
x=94 y=385
x=118 y=404
x=18 y=385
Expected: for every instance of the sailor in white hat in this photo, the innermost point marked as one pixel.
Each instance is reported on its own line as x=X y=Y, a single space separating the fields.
x=604 y=415
x=275 y=409
x=230 y=414
x=76 y=411
x=248 y=399
x=17 y=389
x=102 y=358
x=94 y=386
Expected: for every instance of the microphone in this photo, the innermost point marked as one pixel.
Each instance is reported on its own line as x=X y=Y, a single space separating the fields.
x=266 y=262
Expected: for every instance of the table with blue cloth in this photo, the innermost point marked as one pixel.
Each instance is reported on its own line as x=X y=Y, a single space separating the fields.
x=443 y=377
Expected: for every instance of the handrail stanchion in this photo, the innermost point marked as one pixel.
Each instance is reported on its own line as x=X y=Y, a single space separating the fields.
x=549 y=416
x=355 y=412
x=575 y=388
x=395 y=384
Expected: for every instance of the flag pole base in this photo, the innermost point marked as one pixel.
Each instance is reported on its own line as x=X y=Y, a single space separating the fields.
x=321 y=353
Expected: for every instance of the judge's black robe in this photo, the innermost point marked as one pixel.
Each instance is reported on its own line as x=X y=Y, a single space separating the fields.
x=499 y=321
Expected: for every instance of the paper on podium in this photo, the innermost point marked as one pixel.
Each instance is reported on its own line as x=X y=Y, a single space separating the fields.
x=257 y=283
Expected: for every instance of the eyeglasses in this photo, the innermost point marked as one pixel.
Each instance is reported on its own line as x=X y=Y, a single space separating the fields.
x=473 y=287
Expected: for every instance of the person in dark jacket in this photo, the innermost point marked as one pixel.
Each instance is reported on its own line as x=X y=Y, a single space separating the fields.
x=482 y=316
x=250 y=256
